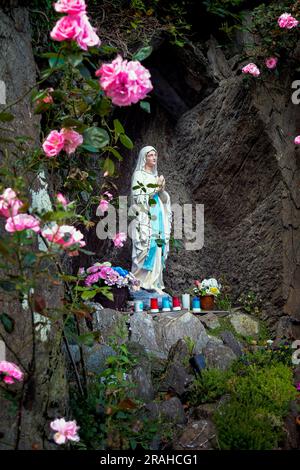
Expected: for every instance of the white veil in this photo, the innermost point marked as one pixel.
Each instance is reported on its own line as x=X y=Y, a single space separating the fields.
x=140 y=165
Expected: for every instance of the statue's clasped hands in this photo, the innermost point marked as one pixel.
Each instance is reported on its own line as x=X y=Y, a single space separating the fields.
x=161 y=183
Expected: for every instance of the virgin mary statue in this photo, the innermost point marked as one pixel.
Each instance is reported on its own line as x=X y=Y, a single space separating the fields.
x=151 y=227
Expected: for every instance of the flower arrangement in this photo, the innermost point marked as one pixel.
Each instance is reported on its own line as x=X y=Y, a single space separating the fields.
x=105 y=274
x=207 y=287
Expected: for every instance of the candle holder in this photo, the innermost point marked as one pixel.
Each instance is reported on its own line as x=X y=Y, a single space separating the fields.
x=166 y=307
x=176 y=303
x=186 y=302
x=154 y=305
x=196 y=305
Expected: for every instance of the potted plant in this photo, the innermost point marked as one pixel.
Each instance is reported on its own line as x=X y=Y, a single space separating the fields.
x=107 y=284
x=207 y=289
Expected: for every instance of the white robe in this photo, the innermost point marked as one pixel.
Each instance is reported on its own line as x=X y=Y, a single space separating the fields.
x=141 y=231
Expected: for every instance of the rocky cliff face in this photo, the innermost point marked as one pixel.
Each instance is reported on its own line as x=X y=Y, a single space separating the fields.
x=230 y=147
x=37 y=348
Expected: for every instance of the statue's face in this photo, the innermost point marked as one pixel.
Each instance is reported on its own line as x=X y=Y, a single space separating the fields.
x=151 y=159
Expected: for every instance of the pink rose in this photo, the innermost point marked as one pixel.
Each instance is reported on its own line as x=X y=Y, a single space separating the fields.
x=53 y=144
x=72 y=7
x=271 y=62
x=252 y=69
x=22 y=222
x=286 y=20
x=119 y=239
x=11 y=372
x=66 y=430
x=65 y=235
x=297 y=140
x=9 y=203
x=72 y=140
x=67 y=28
x=103 y=206
x=124 y=82
x=61 y=199
x=87 y=37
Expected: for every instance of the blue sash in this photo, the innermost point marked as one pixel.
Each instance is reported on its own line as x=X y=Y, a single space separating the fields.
x=157 y=225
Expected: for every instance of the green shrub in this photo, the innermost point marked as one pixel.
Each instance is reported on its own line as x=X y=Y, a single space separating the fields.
x=260 y=398
x=241 y=427
x=211 y=385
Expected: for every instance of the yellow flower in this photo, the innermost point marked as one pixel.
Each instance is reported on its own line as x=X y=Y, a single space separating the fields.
x=214 y=290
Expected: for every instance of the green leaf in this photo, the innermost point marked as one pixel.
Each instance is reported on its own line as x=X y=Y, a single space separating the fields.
x=29 y=259
x=152 y=202
x=87 y=252
x=56 y=62
x=108 y=49
x=70 y=122
x=109 y=166
x=57 y=215
x=75 y=59
x=89 y=148
x=93 y=84
x=143 y=53
x=145 y=106
x=88 y=294
x=126 y=141
x=115 y=153
x=119 y=129
x=102 y=107
x=7 y=322
x=6 y=117
x=84 y=71
x=96 y=137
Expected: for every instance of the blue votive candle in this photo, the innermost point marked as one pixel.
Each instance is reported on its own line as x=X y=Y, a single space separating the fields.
x=166 y=305
x=196 y=305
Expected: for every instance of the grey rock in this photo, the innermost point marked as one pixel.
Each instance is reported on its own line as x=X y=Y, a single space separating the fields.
x=288 y=328
x=176 y=379
x=159 y=334
x=170 y=327
x=141 y=373
x=143 y=332
x=204 y=411
x=106 y=320
x=230 y=341
x=96 y=356
x=218 y=355
x=170 y=410
x=143 y=386
x=179 y=352
x=74 y=350
x=210 y=321
x=244 y=324
x=197 y=435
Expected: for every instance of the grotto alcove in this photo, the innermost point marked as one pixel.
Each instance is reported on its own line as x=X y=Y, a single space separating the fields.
x=225 y=144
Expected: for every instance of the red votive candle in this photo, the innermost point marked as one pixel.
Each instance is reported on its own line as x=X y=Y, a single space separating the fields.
x=154 y=305
x=176 y=303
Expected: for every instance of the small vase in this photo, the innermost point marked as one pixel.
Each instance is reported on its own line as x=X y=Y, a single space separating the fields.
x=207 y=302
